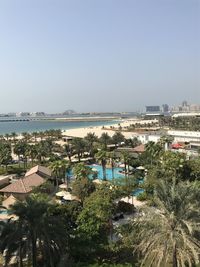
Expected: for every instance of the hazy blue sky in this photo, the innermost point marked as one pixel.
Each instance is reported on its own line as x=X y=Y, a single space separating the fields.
x=98 y=55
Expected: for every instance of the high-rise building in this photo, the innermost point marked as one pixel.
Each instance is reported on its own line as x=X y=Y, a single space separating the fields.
x=152 y=109
x=165 y=108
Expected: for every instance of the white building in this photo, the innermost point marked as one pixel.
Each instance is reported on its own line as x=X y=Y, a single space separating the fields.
x=185 y=136
x=145 y=138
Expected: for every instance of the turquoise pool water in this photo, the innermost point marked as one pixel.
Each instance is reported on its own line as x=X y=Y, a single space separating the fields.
x=137 y=192
x=117 y=173
x=99 y=170
x=4 y=212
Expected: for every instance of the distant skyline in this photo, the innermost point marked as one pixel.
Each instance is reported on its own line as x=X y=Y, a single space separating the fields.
x=98 y=55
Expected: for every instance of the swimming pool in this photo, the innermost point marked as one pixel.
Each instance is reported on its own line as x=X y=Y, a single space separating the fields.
x=99 y=170
x=137 y=192
x=3 y=212
x=109 y=176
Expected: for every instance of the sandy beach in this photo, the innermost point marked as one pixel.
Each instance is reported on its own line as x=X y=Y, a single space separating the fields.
x=98 y=130
x=109 y=129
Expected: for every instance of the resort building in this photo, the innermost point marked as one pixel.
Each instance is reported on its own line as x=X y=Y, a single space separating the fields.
x=146 y=137
x=23 y=187
x=4 y=180
x=41 y=171
x=185 y=136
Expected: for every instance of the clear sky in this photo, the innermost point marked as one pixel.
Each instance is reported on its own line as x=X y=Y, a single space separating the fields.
x=98 y=55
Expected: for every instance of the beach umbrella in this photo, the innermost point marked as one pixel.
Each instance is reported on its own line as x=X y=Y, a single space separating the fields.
x=63 y=186
x=122 y=165
x=97 y=181
x=69 y=197
x=61 y=194
x=140 y=168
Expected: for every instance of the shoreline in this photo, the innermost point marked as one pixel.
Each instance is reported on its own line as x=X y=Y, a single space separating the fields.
x=39 y=126
x=98 y=130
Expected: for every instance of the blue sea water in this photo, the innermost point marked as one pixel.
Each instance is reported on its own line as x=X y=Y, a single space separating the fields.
x=32 y=126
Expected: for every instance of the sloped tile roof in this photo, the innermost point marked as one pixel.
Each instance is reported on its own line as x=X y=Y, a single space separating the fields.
x=139 y=149
x=38 y=168
x=24 y=185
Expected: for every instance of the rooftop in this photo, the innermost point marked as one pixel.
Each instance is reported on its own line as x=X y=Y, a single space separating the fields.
x=38 y=168
x=24 y=185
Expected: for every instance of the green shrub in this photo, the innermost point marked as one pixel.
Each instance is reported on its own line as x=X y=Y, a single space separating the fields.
x=125 y=207
x=142 y=196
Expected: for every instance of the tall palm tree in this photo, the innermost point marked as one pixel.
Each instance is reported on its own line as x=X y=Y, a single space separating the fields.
x=165 y=141
x=20 y=149
x=35 y=135
x=14 y=136
x=101 y=156
x=168 y=235
x=118 y=138
x=78 y=145
x=91 y=138
x=68 y=151
x=5 y=154
x=26 y=136
x=56 y=170
x=125 y=156
x=154 y=150
x=112 y=157
x=64 y=167
x=105 y=140
x=80 y=170
x=36 y=232
x=7 y=136
x=31 y=152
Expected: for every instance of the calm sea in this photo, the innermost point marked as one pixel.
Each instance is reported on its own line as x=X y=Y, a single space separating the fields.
x=32 y=126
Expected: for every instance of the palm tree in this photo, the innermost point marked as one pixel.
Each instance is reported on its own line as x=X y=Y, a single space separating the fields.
x=78 y=145
x=105 y=140
x=36 y=232
x=35 y=135
x=101 y=156
x=91 y=138
x=111 y=156
x=7 y=136
x=154 y=150
x=118 y=138
x=26 y=136
x=41 y=135
x=12 y=242
x=125 y=156
x=56 y=170
x=5 y=154
x=14 y=136
x=168 y=235
x=31 y=152
x=68 y=151
x=80 y=170
x=64 y=167
x=20 y=150
x=165 y=141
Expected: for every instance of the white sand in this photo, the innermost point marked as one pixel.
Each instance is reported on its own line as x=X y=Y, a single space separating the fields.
x=98 y=130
